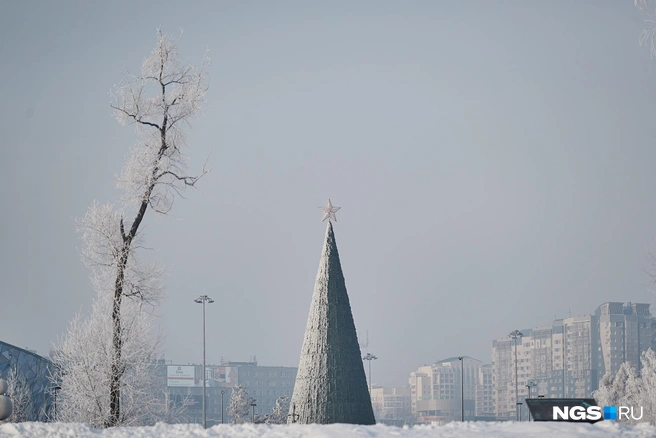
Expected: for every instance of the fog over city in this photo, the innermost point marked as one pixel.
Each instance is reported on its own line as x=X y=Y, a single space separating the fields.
x=493 y=161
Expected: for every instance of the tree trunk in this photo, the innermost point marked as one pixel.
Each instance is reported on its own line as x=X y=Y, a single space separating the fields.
x=117 y=341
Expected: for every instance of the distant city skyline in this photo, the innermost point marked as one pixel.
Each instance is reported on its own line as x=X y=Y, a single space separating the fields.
x=588 y=346
x=514 y=141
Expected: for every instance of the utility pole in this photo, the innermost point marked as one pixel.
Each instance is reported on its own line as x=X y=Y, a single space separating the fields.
x=222 y=392
x=202 y=300
x=529 y=385
x=462 y=387
x=514 y=335
x=369 y=357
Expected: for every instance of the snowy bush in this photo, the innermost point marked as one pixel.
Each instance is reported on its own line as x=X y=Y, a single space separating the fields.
x=630 y=388
x=240 y=405
x=280 y=411
x=20 y=394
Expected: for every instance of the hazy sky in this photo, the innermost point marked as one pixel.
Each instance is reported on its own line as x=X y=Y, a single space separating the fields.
x=494 y=162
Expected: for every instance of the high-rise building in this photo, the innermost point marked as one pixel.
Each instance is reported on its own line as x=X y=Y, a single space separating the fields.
x=580 y=337
x=625 y=331
x=484 y=392
x=516 y=363
x=503 y=364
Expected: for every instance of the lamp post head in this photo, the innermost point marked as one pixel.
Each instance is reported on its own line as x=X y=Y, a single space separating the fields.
x=461 y=357
x=515 y=334
x=203 y=299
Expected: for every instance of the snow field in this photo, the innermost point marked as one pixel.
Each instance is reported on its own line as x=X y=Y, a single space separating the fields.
x=601 y=429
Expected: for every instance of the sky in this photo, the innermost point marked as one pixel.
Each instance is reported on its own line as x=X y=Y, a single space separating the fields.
x=493 y=162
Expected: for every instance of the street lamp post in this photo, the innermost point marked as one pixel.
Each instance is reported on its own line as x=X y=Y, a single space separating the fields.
x=514 y=335
x=202 y=300
x=369 y=357
x=530 y=385
x=222 y=392
x=462 y=387
x=519 y=408
x=55 y=389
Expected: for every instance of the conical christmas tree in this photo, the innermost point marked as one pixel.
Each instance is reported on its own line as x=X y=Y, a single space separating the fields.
x=331 y=386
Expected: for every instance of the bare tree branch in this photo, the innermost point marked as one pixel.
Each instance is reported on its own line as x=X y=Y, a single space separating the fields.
x=648 y=35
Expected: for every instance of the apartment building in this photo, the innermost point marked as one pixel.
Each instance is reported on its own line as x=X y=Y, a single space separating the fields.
x=392 y=406
x=435 y=390
x=484 y=406
x=503 y=363
x=580 y=339
x=625 y=331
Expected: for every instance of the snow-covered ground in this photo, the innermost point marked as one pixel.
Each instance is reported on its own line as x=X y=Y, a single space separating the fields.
x=461 y=430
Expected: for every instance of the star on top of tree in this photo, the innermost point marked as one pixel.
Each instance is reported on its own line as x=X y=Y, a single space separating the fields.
x=329 y=211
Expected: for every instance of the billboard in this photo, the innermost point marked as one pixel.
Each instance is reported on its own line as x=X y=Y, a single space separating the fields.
x=180 y=375
x=226 y=376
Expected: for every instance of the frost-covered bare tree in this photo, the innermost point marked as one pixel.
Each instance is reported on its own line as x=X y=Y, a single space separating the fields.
x=176 y=409
x=20 y=394
x=85 y=357
x=379 y=411
x=630 y=388
x=615 y=389
x=647 y=388
x=648 y=35
x=239 y=406
x=280 y=411
x=103 y=355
